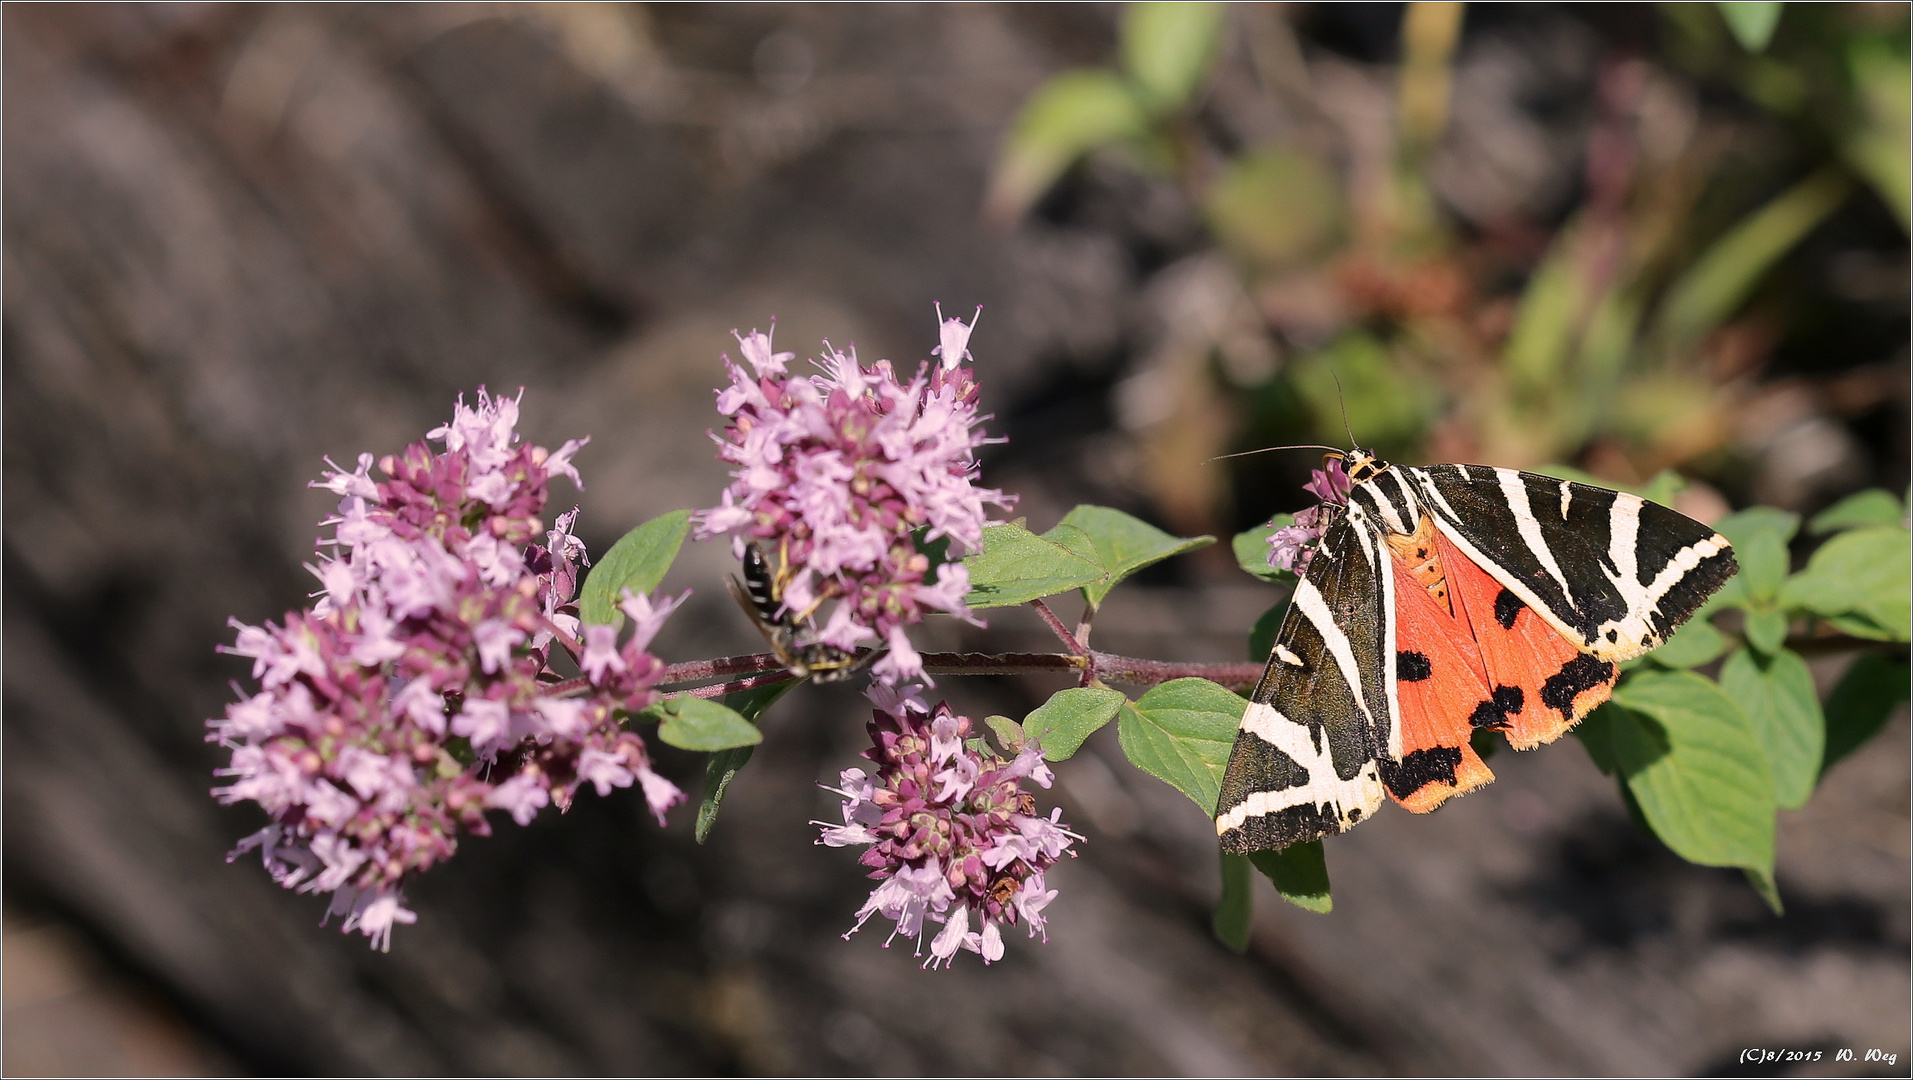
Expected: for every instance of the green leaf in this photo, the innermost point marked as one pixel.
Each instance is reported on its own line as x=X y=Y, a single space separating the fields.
x=1665 y=485
x=1862 y=571
x=1759 y=535
x=1299 y=874
x=1764 y=884
x=719 y=770
x=1874 y=506
x=937 y=551
x=638 y=562
x=1121 y=544
x=1741 y=525
x=1168 y=49
x=1860 y=704
x=1777 y=695
x=1879 y=146
x=690 y=723
x=1698 y=771
x=1180 y=732
x=1236 y=909
x=1067 y=117
x=1752 y=24
x=1545 y=321
x=752 y=704
x=1009 y=734
x=1692 y=645
x=1060 y=724
x=1596 y=735
x=1263 y=634
x=1017 y=566
x=1765 y=630
x=1713 y=289
x=1252 y=549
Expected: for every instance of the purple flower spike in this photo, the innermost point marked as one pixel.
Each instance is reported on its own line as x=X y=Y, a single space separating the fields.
x=951 y=833
x=414 y=695
x=836 y=474
x=1293 y=546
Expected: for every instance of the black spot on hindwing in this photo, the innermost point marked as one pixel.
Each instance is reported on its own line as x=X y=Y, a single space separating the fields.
x=1420 y=768
x=1507 y=609
x=1412 y=666
x=1495 y=712
x=1576 y=677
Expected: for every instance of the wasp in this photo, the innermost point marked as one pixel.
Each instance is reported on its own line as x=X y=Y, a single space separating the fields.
x=761 y=595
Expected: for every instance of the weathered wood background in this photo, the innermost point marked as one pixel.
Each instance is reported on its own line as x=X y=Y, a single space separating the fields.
x=240 y=238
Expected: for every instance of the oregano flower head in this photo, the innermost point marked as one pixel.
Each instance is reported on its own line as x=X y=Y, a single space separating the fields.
x=841 y=474
x=1292 y=546
x=951 y=832
x=415 y=694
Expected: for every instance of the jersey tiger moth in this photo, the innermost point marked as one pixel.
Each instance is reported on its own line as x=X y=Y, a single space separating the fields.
x=1443 y=600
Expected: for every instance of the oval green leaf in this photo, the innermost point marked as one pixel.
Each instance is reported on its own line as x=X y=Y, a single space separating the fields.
x=638 y=561
x=1766 y=630
x=1692 y=645
x=1863 y=571
x=690 y=723
x=1119 y=543
x=1299 y=873
x=1168 y=48
x=1252 y=549
x=1181 y=732
x=1693 y=763
x=1017 y=566
x=1860 y=704
x=1875 y=506
x=1777 y=695
x=1070 y=716
x=1236 y=909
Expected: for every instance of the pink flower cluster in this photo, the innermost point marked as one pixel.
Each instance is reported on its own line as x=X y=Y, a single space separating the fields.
x=837 y=474
x=951 y=832
x=1291 y=547
x=415 y=695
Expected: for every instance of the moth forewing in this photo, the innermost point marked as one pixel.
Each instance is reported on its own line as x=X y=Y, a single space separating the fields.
x=1610 y=572
x=1304 y=761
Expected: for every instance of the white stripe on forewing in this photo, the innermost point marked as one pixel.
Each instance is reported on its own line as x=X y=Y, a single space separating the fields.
x=1445 y=521
x=1392 y=518
x=1515 y=494
x=1623 y=541
x=1385 y=572
x=1309 y=599
x=1567 y=496
x=1363 y=790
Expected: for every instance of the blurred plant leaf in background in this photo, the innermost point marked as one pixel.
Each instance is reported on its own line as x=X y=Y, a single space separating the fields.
x=1881 y=144
x=1277 y=206
x=1168 y=49
x=1067 y=117
x=1752 y=24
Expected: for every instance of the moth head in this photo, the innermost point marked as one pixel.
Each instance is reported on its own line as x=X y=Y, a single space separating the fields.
x=1363 y=466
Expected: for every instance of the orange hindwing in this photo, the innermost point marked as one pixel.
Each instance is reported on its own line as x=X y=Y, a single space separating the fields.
x=1439 y=683
x=1540 y=684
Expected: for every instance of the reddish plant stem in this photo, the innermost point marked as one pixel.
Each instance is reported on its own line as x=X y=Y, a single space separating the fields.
x=1136 y=671
x=1055 y=624
x=765 y=668
x=700 y=670
x=751 y=683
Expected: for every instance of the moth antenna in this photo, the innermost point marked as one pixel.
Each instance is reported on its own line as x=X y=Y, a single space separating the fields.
x=1341 y=398
x=1305 y=446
